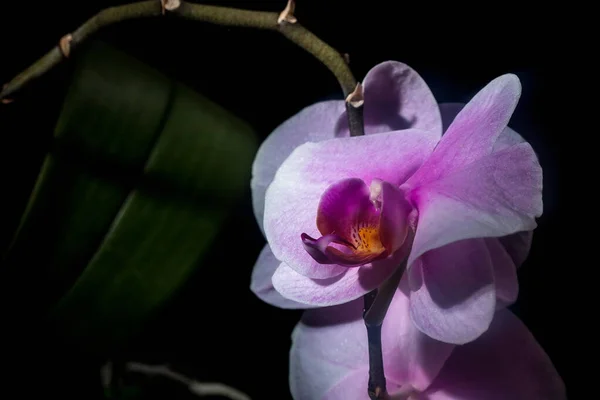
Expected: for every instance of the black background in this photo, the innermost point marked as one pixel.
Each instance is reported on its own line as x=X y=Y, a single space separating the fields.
x=215 y=329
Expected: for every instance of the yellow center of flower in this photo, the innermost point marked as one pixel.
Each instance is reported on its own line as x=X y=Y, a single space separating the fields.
x=366 y=239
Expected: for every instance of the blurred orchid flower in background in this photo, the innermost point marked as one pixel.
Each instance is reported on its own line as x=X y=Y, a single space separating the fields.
x=329 y=359
x=341 y=213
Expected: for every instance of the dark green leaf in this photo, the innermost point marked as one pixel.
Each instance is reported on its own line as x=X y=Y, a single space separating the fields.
x=142 y=175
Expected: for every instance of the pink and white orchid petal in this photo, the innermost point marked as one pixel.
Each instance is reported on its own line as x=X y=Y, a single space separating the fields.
x=261 y=284
x=410 y=356
x=293 y=197
x=328 y=345
x=506 y=362
x=352 y=284
x=499 y=195
x=314 y=123
x=507 y=138
x=452 y=296
x=449 y=111
x=489 y=188
x=472 y=134
x=353 y=386
x=517 y=246
x=508 y=253
x=505 y=273
x=396 y=98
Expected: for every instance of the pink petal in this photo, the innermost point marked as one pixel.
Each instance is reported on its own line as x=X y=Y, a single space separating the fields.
x=449 y=111
x=517 y=246
x=350 y=285
x=261 y=284
x=506 y=180
x=508 y=253
x=452 y=296
x=292 y=199
x=505 y=273
x=507 y=138
x=312 y=124
x=353 y=386
x=410 y=356
x=504 y=363
x=496 y=196
x=473 y=132
x=328 y=345
x=396 y=98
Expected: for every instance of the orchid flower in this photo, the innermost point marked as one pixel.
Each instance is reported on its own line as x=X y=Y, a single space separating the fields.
x=341 y=213
x=329 y=359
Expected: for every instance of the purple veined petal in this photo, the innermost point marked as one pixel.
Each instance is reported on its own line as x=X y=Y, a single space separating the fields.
x=397 y=98
x=473 y=132
x=293 y=198
x=350 y=285
x=506 y=362
x=312 y=124
x=261 y=284
x=498 y=195
x=507 y=138
x=505 y=274
x=410 y=356
x=452 y=295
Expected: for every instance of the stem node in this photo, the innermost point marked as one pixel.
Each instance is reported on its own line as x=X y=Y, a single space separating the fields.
x=64 y=44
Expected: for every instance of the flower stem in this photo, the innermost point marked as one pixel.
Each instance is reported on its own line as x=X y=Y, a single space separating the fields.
x=377 y=303
x=226 y=16
x=355 y=120
x=295 y=32
x=377 y=385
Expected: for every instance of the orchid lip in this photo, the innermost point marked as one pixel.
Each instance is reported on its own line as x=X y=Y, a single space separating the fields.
x=346 y=254
x=359 y=224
